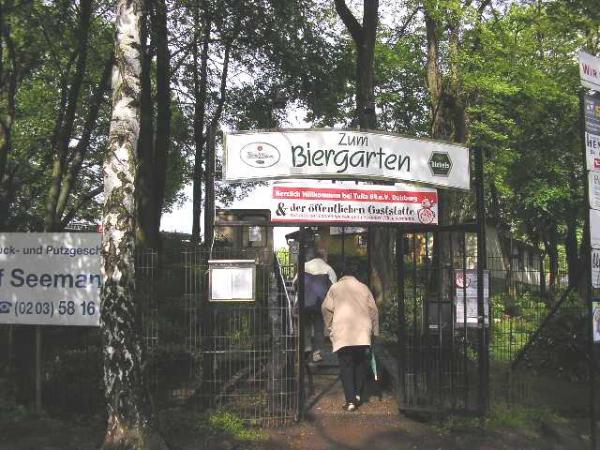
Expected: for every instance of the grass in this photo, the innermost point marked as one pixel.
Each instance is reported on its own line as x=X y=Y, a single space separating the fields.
x=219 y=424
x=523 y=419
x=225 y=422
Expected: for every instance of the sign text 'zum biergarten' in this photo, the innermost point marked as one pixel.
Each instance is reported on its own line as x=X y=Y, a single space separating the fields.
x=340 y=154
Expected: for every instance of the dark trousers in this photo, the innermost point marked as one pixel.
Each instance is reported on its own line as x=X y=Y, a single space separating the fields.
x=353 y=370
x=314 y=335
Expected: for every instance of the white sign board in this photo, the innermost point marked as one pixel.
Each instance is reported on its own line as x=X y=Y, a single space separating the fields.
x=50 y=278
x=471 y=312
x=232 y=280
x=329 y=202
x=589 y=71
x=594 y=188
x=341 y=154
x=465 y=285
x=592 y=150
x=595 y=228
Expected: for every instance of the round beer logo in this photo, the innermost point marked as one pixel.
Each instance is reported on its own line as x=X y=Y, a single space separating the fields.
x=425 y=215
x=259 y=154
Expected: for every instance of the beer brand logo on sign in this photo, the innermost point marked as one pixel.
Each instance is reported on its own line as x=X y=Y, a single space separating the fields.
x=440 y=163
x=260 y=154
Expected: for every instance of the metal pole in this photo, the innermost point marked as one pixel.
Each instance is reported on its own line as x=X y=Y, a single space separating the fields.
x=343 y=250
x=401 y=390
x=300 y=300
x=481 y=264
x=38 y=369
x=370 y=257
x=588 y=280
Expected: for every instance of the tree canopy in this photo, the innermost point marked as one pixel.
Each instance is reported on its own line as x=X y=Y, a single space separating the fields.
x=501 y=76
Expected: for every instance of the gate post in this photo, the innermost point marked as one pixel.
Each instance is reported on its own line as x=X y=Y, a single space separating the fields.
x=401 y=389
x=276 y=376
x=481 y=265
x=300 y=309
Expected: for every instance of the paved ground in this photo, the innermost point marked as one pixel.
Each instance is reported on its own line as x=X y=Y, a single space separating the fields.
x=377 y=425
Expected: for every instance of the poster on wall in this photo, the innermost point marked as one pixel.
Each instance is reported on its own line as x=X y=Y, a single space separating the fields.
x=50 y=278
x=595 y=228
x=336 y=203
x=465 y=290
x=340 y=154
x=594 y=188
x=596 y=319
x=595 y=268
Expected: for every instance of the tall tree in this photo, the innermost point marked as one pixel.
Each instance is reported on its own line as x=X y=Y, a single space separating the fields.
x=364 y=36
x=57 y=101
x=130 y=421
x=200 y=86
x=154 y=146
x=9 y=76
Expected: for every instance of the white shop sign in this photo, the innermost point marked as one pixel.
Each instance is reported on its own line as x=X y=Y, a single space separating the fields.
x=337 y=154
x=336 y=203
x=589 y=71
x=50 y=278
x=592 y=150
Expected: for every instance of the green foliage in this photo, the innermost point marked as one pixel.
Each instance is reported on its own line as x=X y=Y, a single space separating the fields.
x=11 y=411
x=523 y=84
x=209 y=426
x=46 y=35
x=520 y=417
x=400 y=84
x=527 y=420
x=226 y=422
x=562 y=347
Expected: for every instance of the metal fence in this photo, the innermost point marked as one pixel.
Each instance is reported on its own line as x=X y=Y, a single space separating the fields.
x=440 y=359
x=239 y=356
x=233 y=356
x=243 y=357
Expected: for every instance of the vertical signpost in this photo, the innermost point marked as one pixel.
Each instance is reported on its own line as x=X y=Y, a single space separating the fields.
x=589 y=70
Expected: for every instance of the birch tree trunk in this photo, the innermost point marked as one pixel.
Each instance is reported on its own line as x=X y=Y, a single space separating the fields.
x=129 y=413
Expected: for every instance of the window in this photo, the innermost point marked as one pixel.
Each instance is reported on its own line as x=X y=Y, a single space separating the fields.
x=254 y=236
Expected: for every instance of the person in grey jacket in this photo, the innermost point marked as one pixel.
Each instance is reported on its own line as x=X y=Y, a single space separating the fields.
x=351 y=319
x=315 y=266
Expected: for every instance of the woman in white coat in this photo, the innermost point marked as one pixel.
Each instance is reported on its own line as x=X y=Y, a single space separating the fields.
x=351 y=318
